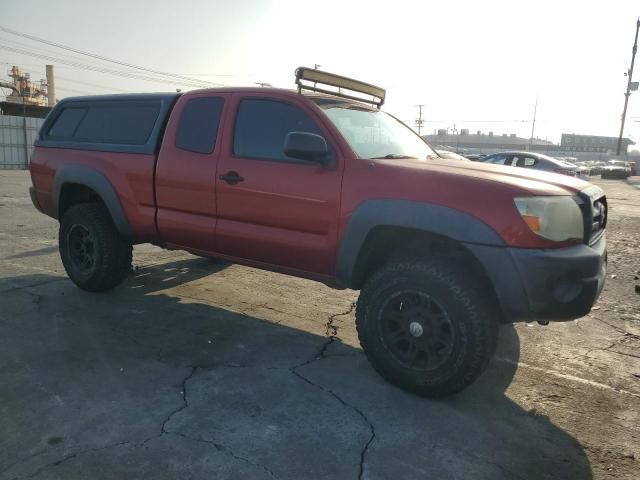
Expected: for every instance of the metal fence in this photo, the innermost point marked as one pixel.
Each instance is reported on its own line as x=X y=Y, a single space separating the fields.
x=17 y=135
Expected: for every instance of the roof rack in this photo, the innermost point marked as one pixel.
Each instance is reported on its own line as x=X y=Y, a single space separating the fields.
x=309 y=78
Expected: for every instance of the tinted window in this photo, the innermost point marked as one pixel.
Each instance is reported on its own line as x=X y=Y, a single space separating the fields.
x=262 y=125
x=198 y=127
x=67 y=122
x=496 y=159
x=526 y=161
x=126 y=123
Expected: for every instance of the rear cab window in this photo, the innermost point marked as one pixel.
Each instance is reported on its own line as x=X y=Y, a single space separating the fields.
x=128 y=124
x=67 y=122
x=199 y=123
x=118 y=123
x=125 y=123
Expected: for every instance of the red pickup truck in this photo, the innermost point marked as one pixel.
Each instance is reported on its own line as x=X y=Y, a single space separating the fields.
x=320 y=183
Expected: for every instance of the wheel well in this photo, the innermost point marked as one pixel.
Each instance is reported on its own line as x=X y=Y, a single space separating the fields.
x=385 y=243
x=73 y=194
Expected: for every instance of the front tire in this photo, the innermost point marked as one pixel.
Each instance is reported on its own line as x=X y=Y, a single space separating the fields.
x=426 y=326
x=95 y=256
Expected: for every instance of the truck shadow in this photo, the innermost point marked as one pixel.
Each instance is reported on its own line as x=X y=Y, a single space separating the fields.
x=142 y=364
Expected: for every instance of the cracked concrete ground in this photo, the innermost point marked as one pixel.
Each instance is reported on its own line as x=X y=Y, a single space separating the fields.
x=195 y=369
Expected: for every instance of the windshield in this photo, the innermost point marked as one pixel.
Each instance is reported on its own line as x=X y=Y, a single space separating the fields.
x=375 y=134
x=616 y=163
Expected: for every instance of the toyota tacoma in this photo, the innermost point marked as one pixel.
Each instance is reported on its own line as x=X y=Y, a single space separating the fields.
x=318 y=182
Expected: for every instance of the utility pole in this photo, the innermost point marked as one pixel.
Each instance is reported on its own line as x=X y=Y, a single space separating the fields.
x=533 y=124
x=628 y=93
x=24 y=126
x=419 y=120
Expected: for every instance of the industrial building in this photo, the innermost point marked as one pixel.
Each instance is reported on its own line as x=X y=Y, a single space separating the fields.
x=571 y=142
x=464 y=140
x=582 y=147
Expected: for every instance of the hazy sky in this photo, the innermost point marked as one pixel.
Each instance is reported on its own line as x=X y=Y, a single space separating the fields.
x=474 y=64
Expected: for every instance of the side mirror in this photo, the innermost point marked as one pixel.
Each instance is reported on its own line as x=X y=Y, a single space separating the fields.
x=306 y=146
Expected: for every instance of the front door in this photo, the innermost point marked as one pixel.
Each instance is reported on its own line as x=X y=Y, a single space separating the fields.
x=273 y=209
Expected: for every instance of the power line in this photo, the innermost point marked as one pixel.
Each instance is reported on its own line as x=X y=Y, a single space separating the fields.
x=73 y=90
x=39 y=65
x=109 y=71
x=42 y=49
x=105 y=59
x=100 y=69
x=89 y=84
x=248 y=75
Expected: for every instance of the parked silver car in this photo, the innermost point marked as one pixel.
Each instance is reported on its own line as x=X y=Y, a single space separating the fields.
x=616 y=169
x=536 y=161
x=451 y=155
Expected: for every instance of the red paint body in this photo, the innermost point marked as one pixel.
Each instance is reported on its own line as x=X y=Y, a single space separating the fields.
x=288 y=217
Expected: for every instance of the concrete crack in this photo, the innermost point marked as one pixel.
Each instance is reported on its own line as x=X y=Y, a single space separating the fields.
x=185 y=401
x=331 y=331
x=620 y=330
x=222 y=448
x=24 y=460
x=71 y=456
x=344 y=403
x=363 y=453
x=625 y=354
x=26 y=287
x=217 y=446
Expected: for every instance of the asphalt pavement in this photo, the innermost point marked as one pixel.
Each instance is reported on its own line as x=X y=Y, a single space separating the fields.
x=197 y=369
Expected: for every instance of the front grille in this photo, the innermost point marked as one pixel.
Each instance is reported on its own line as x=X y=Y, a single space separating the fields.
x=598 y=220
x=595 y=210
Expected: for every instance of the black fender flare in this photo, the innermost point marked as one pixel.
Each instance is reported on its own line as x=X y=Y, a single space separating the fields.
x=430 y=218
x=96 y=181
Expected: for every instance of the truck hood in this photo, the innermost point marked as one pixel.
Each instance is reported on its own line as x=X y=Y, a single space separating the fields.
x=534 y=182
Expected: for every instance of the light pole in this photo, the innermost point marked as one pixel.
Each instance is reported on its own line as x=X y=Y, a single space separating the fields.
x=629 y=87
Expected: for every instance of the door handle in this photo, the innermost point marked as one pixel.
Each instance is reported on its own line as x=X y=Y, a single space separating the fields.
x=231 y=177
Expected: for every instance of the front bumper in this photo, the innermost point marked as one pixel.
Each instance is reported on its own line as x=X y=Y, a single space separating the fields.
x=545 y=285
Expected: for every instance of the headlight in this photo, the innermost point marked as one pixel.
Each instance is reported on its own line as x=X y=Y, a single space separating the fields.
x=554 y=218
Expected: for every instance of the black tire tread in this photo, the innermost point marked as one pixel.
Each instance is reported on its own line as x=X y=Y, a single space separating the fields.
x=115 y=253
x=482 y=316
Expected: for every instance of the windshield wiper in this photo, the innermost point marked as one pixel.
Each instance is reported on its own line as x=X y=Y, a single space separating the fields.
x=392 y=155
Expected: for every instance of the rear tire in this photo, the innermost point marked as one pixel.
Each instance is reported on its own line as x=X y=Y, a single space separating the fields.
x=426 y=326
x=95 y=256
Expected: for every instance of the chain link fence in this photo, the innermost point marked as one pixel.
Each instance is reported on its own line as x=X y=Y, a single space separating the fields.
x=17 y=135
